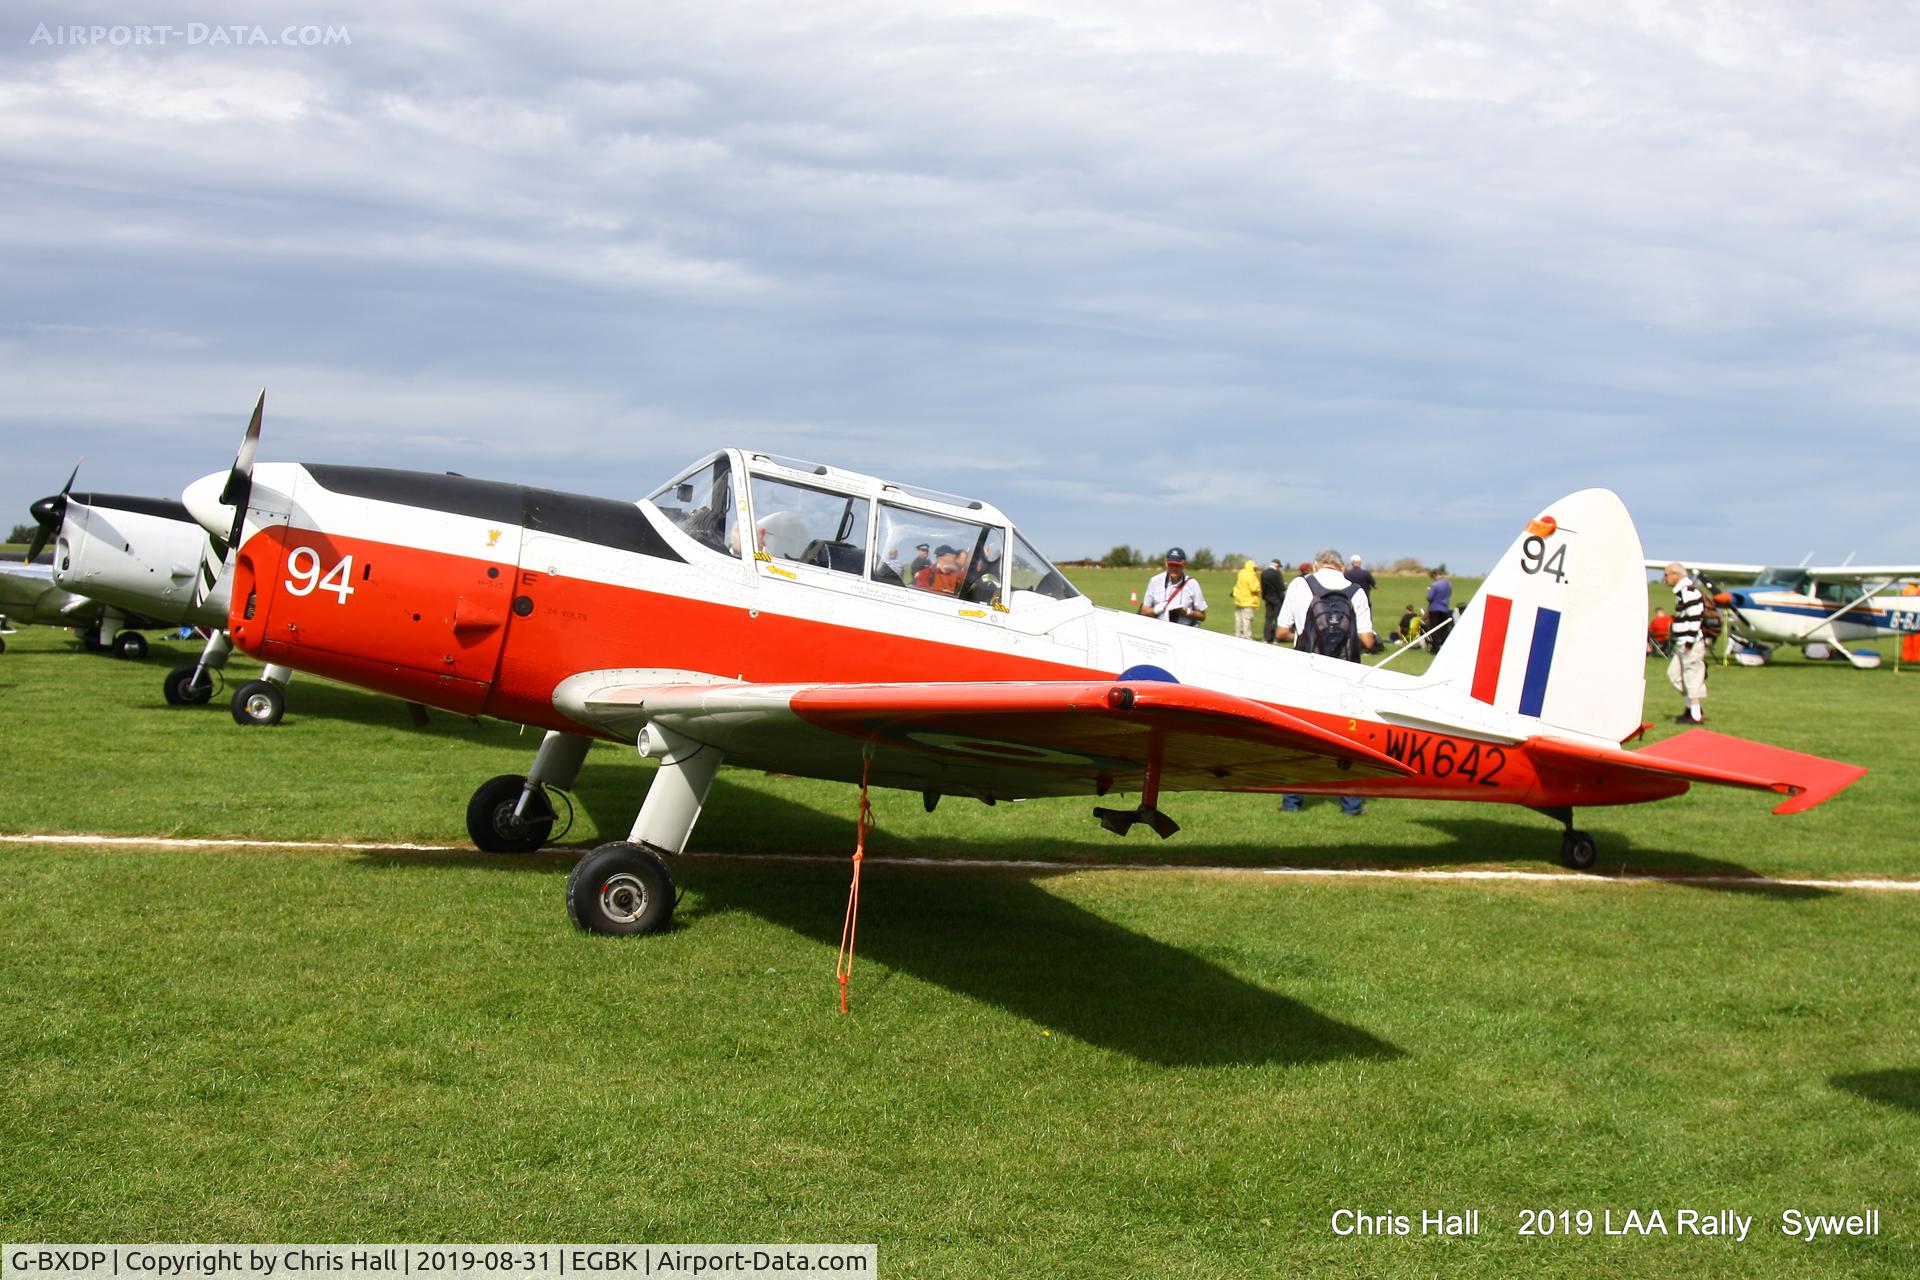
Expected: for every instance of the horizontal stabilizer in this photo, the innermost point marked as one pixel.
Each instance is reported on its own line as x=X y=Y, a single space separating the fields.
x=1700 y=755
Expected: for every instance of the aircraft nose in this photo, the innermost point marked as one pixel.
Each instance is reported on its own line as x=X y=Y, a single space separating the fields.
x=202 y=499
x=1723 y=597
x=47 y=510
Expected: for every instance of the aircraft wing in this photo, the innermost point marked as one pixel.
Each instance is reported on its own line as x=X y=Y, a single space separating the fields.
x=1863 y=572
x=1701 y=755
x=1712 y=566
x=994 y=740
x=1822 y=572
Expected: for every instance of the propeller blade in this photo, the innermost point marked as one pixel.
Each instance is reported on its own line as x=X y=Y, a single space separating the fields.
x=240 y=479
x=48 y=513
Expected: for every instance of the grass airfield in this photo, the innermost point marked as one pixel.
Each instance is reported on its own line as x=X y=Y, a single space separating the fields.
x=1094 y=1073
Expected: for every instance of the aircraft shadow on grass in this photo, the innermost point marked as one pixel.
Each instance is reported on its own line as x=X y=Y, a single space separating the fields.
x=738 y=819
x=1002 y=940
x=1896 y=1087
x=1007 y=942
x=1525 y=839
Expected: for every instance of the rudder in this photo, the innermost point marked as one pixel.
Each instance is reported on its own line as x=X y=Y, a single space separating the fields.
x=1558 y=629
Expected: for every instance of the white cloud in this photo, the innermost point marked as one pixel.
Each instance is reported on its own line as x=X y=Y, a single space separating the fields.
x=1495 y=250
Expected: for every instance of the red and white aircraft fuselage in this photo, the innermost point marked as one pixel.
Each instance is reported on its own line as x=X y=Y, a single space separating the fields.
x=787 y=616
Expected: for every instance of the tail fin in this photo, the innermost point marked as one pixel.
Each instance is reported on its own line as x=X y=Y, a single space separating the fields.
x=1558 y=630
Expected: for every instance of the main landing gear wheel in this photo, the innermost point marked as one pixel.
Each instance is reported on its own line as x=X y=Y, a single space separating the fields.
x=259 y=702
x=130 y=644
x=182 y=692
x=620 y=889
x=490 y=819
x=1578 y=851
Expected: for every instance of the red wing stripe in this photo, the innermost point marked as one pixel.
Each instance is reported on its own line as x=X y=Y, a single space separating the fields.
x=1493 y=647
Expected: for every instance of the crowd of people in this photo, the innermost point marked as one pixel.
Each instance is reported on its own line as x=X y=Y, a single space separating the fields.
x=1175 y=596
x=1326 y=609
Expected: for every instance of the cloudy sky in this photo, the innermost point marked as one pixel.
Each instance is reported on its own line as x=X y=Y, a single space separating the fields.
x=1260 y=277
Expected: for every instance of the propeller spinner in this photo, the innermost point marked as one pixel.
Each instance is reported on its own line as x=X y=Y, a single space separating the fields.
x=48 y=513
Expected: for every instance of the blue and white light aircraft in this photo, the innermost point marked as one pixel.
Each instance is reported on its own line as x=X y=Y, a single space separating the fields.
x=1824 y=610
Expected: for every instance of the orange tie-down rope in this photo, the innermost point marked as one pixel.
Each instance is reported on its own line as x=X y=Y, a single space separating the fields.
x=843 y=966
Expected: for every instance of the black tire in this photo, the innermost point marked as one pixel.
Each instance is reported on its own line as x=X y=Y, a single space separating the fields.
x=131 y=645
x=620 y=889
x=259 y=702
x=182 y=692
x=491 y=823
x=3 y=644
x=1578 y=851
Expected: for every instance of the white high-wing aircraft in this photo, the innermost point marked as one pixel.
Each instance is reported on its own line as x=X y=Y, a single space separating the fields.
x=1820 y=609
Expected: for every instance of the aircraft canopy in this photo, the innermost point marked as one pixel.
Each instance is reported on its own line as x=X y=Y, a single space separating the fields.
x=867 y=528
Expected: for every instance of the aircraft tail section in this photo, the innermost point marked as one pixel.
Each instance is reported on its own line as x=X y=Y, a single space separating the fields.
x=1557 y=631
x=1698 y=755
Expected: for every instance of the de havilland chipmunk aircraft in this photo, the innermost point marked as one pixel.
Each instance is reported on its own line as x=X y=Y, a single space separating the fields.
x=1820 y=609
x=38 y=593
x=774 y=614
x=120 y=562
x=29 y=596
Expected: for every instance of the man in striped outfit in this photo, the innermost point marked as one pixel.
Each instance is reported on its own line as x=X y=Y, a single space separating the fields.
x=1687 y=671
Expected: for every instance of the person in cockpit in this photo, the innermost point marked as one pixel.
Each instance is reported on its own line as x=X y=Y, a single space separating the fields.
x=944 y=574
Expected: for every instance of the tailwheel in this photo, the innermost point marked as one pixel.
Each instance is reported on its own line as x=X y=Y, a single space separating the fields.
x=620 y=889
x=259 y=702
x=1577 y=850
x=181 y=691
x=491 y=821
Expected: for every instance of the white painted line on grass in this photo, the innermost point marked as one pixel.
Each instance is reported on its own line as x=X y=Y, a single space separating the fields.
x=1866 y=884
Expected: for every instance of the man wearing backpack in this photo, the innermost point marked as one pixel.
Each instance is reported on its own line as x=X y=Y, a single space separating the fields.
x=1323 y=613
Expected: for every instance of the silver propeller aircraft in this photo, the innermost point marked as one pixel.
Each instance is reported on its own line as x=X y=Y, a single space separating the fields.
x=121 y=562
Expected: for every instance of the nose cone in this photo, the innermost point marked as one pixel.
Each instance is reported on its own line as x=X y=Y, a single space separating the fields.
x=202 y=499
x=47 y=511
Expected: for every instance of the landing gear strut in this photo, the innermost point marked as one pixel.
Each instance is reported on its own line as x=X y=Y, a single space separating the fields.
x=1121 y=821
x=1577 y=849
x=263 y=701
x=258 y=702
x=620 y=889
x=500 y=823
x=190 y=685
x=625 y=887
x=511 y=813
x=187 y=686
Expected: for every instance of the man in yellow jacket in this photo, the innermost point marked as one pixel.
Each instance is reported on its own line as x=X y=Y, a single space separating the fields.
x=1246 y=597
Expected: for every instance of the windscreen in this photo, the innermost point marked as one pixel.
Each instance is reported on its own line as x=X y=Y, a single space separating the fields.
x=701 y=503
x=1032 y=572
